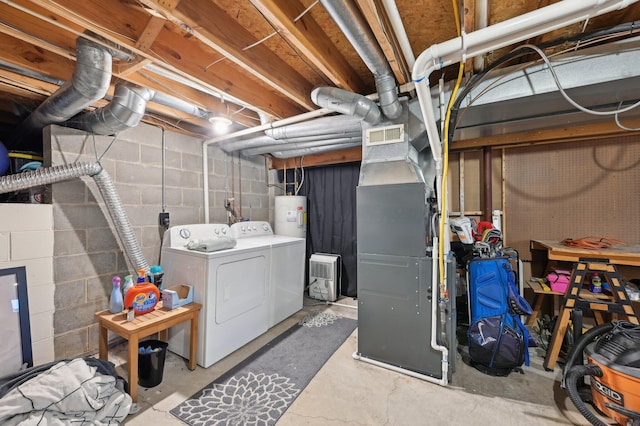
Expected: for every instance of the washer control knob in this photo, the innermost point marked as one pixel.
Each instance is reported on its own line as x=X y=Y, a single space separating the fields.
x=217 y=231
x=224 y=230
x=265 y=227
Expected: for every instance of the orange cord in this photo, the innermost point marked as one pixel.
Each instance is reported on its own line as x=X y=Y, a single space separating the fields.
x=591 y=243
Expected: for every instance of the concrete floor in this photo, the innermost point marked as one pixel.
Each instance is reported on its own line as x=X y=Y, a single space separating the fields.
x=350 y=392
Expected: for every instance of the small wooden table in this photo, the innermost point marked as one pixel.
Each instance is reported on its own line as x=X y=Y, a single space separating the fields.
x=157 y=321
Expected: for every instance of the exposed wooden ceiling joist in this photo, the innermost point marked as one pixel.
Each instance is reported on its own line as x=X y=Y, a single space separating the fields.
x=250 y=59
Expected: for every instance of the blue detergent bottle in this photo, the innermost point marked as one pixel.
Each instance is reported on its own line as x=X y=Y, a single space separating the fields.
x=116 y=304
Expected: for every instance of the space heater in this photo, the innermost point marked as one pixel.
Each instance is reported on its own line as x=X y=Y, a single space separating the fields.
x=324 y=276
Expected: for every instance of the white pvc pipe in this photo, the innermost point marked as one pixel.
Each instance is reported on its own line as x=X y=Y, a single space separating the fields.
x=251 y=130
x=397 y=369
x=435 y=290
x=493 y=37
x=478 y=42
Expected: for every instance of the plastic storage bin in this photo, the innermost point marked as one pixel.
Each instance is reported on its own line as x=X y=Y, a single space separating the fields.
x=151 y=365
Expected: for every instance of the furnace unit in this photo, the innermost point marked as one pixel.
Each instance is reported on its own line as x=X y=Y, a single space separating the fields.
x=395 y=268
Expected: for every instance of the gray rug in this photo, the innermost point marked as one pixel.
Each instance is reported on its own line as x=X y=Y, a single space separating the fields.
x=261 y=388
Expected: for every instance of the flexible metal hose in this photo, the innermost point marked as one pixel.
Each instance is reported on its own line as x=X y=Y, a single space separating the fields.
x=45 y=176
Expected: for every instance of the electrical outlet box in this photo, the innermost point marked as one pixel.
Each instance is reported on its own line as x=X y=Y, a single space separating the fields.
x=163 y=220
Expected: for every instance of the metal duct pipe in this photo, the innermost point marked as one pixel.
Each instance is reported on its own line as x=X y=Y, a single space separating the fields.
x=351 y=22
x=45 y=176
x=261 y=141
x=251 y=152
x=345 y=102
x=125 y=110
x=316 y=150
x=320 y=126
x=89 y=83
x=179 y=104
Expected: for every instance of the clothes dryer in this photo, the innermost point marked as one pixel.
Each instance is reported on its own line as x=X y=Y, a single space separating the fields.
x=231 y=284
x=286 y=282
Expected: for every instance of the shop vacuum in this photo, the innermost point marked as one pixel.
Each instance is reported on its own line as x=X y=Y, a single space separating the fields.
x=613 y=363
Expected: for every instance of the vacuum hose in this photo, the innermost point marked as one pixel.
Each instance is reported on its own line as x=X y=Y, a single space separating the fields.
x=572 y=376
x=572 y=372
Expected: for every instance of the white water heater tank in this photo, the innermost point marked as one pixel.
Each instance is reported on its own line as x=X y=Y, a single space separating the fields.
x=291 y=216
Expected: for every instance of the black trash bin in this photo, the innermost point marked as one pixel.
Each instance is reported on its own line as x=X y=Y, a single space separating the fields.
x=151 y=365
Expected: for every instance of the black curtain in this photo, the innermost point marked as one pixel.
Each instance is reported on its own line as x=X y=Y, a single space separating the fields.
x=331 y=196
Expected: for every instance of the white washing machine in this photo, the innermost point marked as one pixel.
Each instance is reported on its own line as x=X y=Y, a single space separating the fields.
x=231 y=284
x=286 y=282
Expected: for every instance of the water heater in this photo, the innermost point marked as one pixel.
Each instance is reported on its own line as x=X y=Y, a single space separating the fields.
x=291 y=216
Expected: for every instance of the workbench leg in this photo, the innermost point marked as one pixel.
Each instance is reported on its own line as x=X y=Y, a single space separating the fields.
x=163 y=335
x=103 y=343
x=556 y=339
x=536 y=310
x=133 y=367
x=193 y=342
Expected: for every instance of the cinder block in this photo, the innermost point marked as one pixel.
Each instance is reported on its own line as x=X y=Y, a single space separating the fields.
x=41 y=298
x=31 y=244
x=77 y=317
x=101 y=239
x=70 y=192
x=4 y=247
x=99 y=288
x=41 y=325
x=26 y=217
x=184 y=179
x=39 y=271
x=69 y=241
x=43 y=351
x=68 y=294
x=192 y=162
x=71 y=344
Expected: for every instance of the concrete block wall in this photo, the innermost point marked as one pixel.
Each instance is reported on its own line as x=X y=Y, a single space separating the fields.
x=87 y=251
x=26 y=239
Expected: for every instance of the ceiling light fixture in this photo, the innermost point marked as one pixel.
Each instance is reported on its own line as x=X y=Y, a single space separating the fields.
x=220 y=124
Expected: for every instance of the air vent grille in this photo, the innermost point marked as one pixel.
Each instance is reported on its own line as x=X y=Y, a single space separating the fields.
x=385 y=135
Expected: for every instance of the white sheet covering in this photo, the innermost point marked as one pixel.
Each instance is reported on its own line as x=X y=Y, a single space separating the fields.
x=68 y=393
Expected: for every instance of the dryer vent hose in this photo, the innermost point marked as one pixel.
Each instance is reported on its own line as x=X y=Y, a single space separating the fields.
x=45 y=176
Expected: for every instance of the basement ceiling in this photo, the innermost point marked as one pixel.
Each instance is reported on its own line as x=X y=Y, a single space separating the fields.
x=247 y=60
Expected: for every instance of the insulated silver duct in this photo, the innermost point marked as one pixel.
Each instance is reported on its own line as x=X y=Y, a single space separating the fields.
x=45 y=176
x=350 y=20
x=262 y=141
x=125 y=110
x=251 y=152
x=318 y=127
x=89 y=83
x=348 y=103
x=316 y=150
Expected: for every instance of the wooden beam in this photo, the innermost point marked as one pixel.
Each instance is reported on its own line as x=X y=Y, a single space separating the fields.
x=226 y=36
x=539 y=137
x=121 y=19
x=311 y=41
x=349 y=155
x=150 y=32
x=469 y=26
x=25 y=55
x=378 y=19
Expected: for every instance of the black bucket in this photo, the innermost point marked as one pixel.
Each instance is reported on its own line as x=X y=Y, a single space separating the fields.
x=151 y=365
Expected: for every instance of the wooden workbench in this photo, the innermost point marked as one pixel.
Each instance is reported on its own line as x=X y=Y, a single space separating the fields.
x=157 y=321
x=616 y=255
x=584 y=261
